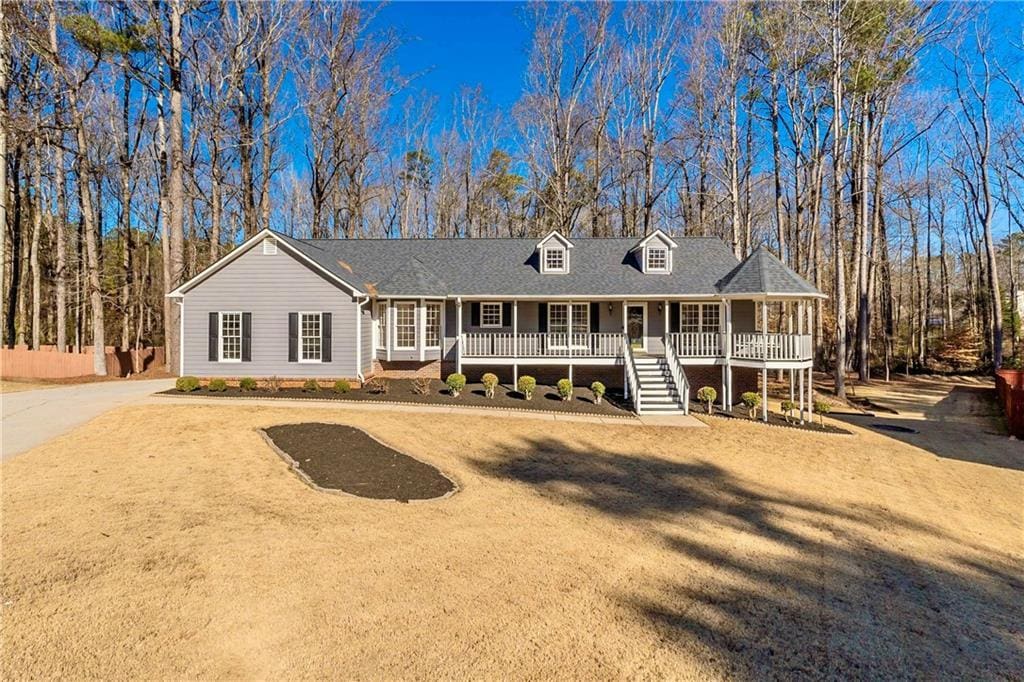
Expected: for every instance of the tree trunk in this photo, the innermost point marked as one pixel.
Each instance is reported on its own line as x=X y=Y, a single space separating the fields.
x=175 y=191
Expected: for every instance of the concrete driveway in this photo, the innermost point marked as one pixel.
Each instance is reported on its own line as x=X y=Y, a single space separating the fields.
x=33 y=417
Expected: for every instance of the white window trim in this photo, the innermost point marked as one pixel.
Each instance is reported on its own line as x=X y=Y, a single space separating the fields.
x=501 y=315
x=320 y=326
x=565 y=260
x=569 y=307
x=220 y=335
x=700 y=317
x=647 y=259
x=440 y=323
x=397 y=305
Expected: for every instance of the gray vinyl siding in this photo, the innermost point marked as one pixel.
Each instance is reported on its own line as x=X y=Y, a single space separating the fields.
x=270 y=287
x=744 y=316
x=366 y=333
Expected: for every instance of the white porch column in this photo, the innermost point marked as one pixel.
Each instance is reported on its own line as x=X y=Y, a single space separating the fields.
x=458 y=336
x=390 y=329
x=625 y=369
x=764 y=394
x=422 y=310
x=515 y=343
x=800 y=331
x=727 y=354
x=810 y=370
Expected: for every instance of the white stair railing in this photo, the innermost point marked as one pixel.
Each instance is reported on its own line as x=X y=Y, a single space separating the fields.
x=632 y=376
x=675 y=368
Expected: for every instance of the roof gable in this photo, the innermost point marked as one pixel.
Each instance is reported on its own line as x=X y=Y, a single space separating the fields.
x=762 y=273
x=656 y=236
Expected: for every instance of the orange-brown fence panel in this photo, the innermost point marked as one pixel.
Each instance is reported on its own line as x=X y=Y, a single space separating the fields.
x=48 y=363
x=1010 y=386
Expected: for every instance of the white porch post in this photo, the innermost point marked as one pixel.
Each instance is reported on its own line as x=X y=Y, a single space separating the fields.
x=423 y=329
x=789 y=331
x=390 y=329
x=800 y=332
x=625 y=338
x=458 y=336
x=515 y=343
x=810 y=370
x=764 y=394
x=727 y=353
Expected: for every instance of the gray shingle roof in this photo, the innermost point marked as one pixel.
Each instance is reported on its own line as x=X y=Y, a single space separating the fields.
x=762 y=273
x=508 y=267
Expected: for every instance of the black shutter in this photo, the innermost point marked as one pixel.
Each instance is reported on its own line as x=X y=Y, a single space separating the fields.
x=325 y=337
x=506 y=314
x=474 y=314
x=214 y=337
x=595 y=317
x=293 y=337
x=542 y=316
x=246 y=337
x=673 y=316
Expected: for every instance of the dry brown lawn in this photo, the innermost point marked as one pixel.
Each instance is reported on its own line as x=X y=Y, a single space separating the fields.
x=17 y=385
x=169 y=541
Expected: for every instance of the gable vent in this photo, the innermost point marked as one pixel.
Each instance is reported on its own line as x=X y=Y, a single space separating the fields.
x=269 y=247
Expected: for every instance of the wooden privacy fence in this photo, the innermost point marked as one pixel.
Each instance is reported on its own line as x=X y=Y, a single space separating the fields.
x=49 y=363
x=1010 y=386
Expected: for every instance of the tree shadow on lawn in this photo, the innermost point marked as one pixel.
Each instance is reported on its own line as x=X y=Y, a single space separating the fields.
x=820 y=595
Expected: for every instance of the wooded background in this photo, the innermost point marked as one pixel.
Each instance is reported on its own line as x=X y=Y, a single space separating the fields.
x=876 y=147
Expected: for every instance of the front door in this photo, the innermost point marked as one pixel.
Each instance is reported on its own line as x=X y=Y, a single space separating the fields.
x=635 y=325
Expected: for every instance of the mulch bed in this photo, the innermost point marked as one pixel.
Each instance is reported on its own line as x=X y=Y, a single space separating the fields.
x=338 y=457
x=545 y=398
x=774 y=419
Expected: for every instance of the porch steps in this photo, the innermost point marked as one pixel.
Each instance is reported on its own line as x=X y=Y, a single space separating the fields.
x=658 y=392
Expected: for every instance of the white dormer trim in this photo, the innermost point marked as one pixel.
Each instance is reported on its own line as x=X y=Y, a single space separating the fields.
x=655 y=241
x=553 y=248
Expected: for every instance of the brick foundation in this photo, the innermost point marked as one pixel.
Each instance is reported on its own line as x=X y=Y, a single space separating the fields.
x=407 y=369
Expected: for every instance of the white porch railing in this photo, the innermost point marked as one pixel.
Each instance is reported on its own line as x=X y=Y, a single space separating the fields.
x=541 y=345
x=754 y=346
x=697 y=344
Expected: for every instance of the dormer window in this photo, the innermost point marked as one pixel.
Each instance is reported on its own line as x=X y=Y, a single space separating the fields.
x=554 y=259
x=657 y=259
x=553 y=254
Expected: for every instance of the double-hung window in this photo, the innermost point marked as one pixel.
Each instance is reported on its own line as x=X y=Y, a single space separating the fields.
x=554 y=259
x=699 y=317
x=564 y=318
x=405 y=326
x=382 y=325
x=657 y=259
x=230 y=337
x=490 y=315
x=310 y=337
x=432 y=332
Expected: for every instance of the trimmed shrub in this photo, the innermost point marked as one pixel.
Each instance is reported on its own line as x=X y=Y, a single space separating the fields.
x=822 y=408
x=788 y=406
x=310 y=386
x=187 y=384
x=217 y=386
x=272 y=384
x=565 y=389
x=421 y=385
x=490 y=382
x=707 y=395
x=598 y=389
x=752 y=401
x=455 y=382
x=247 y=384
x=526 y=386
x=341 y=386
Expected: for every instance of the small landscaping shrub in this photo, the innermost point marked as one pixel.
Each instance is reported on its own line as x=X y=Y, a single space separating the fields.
x=565 y=389
x=217 y=386
x=187 y=384
x=707 y=395
x=378 y=385
x=526 y=386
x=752 y=401
x=598 y=389
x=341 y=386
x=272 y=384
x=421 y=385
x=247 y=384
x=310 y=386
x=787 y=409
x=490 y=382
x=455 y=382
x=822 y=408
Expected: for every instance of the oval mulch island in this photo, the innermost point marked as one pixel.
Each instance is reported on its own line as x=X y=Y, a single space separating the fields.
x=338 y=457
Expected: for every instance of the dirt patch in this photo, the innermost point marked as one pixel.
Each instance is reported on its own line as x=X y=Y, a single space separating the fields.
x=545 y=398
x=338 y=457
